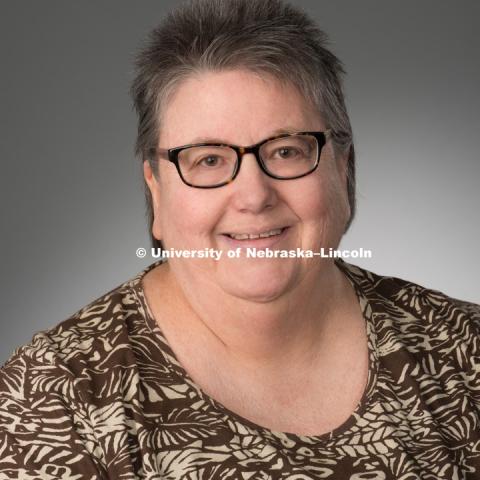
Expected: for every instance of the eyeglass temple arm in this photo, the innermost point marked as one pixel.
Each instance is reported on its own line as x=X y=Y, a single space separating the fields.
x=339 y=134
x=155 y=153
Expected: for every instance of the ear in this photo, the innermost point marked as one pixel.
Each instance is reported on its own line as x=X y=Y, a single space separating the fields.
x=342 y=165
x=153 y=186
x=342 y=161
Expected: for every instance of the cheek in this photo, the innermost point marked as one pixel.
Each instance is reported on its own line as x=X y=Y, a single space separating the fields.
x=325 y=203
x=186 y=218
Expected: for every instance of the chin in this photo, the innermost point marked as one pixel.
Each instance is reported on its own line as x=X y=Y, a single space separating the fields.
x=255 y=294
x=260 y=283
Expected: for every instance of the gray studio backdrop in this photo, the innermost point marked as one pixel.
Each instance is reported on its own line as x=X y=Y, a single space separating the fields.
x=72 y=201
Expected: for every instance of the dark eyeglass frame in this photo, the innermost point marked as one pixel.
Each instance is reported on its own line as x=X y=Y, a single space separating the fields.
x=172 y=154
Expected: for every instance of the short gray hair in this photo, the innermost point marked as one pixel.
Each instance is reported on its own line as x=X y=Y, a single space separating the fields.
x=264 y=36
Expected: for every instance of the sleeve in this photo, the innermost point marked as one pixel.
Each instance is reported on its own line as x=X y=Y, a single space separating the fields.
x=42 y=433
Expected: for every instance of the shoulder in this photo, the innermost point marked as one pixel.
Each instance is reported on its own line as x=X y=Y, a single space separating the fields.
x=61 y=359
x=409 y=297
x=422 y=319
x=83 y=336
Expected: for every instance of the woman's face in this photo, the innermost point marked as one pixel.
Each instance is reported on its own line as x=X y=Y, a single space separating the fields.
x=240 y=108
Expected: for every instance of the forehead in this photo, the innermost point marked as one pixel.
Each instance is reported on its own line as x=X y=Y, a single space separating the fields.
x=235 y=106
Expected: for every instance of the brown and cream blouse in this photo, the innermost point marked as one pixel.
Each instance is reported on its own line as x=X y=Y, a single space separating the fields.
x=102 y=396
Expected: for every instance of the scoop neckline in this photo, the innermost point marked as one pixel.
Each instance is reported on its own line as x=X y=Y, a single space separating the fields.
x=286 y=439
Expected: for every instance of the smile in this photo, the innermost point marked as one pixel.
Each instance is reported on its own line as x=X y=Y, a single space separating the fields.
x=253 y=236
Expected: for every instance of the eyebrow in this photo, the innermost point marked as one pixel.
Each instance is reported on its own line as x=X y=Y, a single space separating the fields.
x=278 y=131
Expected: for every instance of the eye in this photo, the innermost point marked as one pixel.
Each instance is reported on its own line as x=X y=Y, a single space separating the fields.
x=210 y=161
x=287 y=152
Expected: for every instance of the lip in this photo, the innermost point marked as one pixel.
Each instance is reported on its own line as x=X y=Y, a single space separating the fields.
x=259 y=243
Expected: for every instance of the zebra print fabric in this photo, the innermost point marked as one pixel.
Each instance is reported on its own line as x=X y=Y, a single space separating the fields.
x=102 y=396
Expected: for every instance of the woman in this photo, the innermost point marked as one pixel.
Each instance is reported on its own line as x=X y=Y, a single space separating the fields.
x=247 y=367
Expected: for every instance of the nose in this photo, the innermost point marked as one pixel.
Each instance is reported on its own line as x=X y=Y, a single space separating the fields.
x=253 y=190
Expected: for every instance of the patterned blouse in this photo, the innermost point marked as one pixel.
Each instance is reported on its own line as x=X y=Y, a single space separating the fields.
x=102 y=396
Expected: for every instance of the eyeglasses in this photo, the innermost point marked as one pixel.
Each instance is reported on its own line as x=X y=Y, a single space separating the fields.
x=212 y=165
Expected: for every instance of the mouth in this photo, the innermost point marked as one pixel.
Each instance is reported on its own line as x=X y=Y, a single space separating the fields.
x=265 y=239
x=254 y=236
